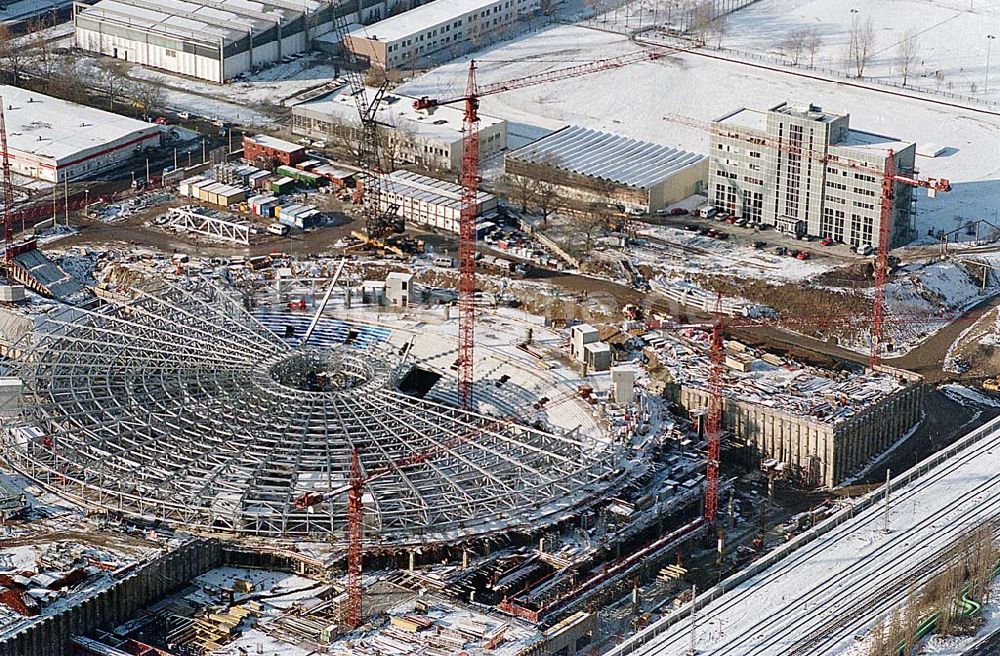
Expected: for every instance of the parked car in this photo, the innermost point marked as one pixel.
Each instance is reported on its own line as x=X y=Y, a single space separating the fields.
x=794 y=252
x=721 y=235
x=827 y=241
x=730 y=218
x=863 y=249
x=781 y=250
x=759 y=245
x=691 y=227
x=740 y=222
x=803 y=255
x=678 y=211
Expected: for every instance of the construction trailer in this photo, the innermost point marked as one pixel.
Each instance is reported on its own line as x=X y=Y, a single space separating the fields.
x=426 y=201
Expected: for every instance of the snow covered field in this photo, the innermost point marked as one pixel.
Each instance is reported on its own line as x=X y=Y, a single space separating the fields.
x=633 y=101
x=951 y=37
x=819 y=597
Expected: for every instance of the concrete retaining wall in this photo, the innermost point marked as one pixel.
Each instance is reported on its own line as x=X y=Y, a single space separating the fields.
x=145 y=584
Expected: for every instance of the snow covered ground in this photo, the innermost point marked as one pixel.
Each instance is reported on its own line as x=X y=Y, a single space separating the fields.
x=633 y=99
x=823 y=594
x=952 y=37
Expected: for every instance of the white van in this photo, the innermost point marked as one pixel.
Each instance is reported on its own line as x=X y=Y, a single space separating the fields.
x=442 y=261
x=863 y=249
x=278 y=229
x=707 y=211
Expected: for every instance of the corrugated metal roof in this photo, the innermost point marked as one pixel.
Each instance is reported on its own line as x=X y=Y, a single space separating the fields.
x=608 y=156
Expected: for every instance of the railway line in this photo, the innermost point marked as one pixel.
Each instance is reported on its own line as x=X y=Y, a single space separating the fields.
x=816 y=599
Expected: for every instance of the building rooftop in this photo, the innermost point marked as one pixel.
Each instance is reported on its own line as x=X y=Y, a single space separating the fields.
x=744 y=117
x=208 y=20
x=430 y=190
x=274 y=143
x=443 y=123
x=823 y=396
x=806 y=110
x=418 y=19
x=609 y=156
x=868 y=141
x=58 y=129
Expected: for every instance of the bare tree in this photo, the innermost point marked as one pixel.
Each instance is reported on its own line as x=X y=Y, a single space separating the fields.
x=148 y=95
x=68 y=81
x=518 y=188
x=907 y=53
x=861 y=45
x=794 y=44
x=701 y=19
x=112 y=81
x=812 y=43
x=547 y=200
x=596 y=217
x=938 y=79
x=12 y=56
x=719 y=28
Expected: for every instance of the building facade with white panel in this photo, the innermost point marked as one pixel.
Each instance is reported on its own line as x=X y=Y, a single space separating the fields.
x=429 y=202
x=438 y=26
x=56 y=140
x=601 y=167
x=214 y=40
x=430 y=138
x=823 y=181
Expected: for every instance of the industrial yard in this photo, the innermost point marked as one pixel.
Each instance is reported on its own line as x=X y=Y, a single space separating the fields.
x=473 y=328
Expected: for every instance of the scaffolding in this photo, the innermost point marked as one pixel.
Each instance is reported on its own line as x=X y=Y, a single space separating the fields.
x=181 y=406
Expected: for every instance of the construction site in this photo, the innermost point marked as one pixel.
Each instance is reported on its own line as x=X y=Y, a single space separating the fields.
x=472 y=383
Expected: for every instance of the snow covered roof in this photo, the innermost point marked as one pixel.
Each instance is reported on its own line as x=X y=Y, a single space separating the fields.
x=444 y=123
x=745 y=118
x=609 y=156
x=57 y=129
x=212 y=19
x=430 y=190
x=868 y=141
x=274 y=143
x=419 y=19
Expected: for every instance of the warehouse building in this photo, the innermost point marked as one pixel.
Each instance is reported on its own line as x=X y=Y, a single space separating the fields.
x=55 y=140
x=822 y=425
x=430 y=138
x=600 y=167
x=830 y=187
x=429 y=202
x=214 y=40
x=454 y=26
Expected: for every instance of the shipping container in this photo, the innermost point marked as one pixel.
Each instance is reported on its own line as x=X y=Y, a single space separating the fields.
x=282 y=186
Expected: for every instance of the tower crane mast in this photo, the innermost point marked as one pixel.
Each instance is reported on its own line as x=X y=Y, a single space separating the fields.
x=890 y=177
x=8 y=191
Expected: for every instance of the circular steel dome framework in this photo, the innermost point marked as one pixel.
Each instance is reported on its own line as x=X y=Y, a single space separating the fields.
x=181 y=406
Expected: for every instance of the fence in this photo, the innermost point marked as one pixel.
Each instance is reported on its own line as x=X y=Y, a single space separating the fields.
x=805 y=538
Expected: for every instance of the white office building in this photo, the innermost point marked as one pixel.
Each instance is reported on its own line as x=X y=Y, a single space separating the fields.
x=441 y=25
x=430 y=138
x=805 y=171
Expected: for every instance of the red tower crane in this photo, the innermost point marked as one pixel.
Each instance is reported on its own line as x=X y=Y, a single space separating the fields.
x=357 y=480
x=8 y=192
x=878 y=314
x=890 y=177
x=470 y=190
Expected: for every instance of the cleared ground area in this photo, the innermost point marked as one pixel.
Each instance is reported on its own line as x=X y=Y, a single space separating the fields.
x=819 y=597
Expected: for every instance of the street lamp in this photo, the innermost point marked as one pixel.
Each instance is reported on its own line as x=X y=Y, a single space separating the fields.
x=989 y=42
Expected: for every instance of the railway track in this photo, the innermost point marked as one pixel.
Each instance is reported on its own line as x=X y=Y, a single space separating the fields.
x=756 y=634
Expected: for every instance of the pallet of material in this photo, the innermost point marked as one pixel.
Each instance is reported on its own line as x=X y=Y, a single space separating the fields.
x=412 y=623
x=446 y=641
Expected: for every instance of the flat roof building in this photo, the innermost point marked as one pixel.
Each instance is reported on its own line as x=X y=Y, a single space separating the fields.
x=56 y=140
x=598 y=166
x=215 y=40
x=430 y=138
x=442 y=25
x=832 y=188
x=271 y=151
x=429 y=202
